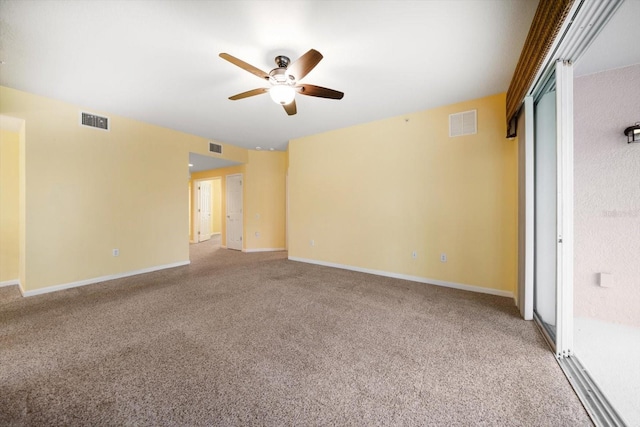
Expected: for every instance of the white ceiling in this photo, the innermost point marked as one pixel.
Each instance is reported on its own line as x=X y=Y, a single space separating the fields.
x=199 y=162
x=157 y=61
x=617 y=45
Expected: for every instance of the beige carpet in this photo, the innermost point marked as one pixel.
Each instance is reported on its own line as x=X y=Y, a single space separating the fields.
x=255 y=339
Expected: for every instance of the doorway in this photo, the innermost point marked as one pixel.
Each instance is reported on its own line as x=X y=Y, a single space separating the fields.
x=204 y=211
x=599 y=140
x=207 y=209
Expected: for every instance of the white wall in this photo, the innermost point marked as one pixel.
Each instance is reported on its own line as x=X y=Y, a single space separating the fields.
x=607 y=195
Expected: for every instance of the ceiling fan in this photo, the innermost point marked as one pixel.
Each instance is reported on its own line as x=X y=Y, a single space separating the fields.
x=284 y=80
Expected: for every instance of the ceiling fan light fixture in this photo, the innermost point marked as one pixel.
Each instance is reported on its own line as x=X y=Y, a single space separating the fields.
x=282 y=94
x=284 y=80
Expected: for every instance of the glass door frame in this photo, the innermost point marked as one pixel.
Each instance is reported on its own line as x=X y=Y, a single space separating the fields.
x=564 y=266
x=585 y=21
x=561 y=340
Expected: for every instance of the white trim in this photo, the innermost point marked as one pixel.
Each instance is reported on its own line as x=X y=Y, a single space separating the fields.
x=10 y=283
x=526 y=201
x=564 y=263
x=101 y=279
x=264 y=250
x=426 y=280
x=530 y=191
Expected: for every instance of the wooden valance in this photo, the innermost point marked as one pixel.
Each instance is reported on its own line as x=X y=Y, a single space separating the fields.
x=546 y=24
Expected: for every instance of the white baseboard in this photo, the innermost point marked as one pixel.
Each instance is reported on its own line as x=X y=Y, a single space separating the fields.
x=100 y=279
x=10 y=282
x=264 y=250
x=407 y=277
x=212 y=234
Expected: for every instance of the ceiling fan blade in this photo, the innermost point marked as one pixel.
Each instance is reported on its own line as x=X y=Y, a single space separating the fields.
x=321 y=92
x=249 y=93
x=290 y=108
x=304 y=64
x=248 y=67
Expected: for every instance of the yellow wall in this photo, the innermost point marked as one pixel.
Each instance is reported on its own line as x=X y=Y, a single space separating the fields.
x=87 y=191
x=9 y=205
x=265 y=200
x=370 y=195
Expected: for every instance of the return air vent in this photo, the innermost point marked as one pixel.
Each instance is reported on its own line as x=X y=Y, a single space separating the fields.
x=215 y=148
x=464 y=123
x=94 y=121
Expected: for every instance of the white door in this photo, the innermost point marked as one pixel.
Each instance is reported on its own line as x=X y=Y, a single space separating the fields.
x=204 y=211
x=234 y=211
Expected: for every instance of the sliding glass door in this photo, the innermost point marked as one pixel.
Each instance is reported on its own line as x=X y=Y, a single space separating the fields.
x=553 y=169
x=545 y=302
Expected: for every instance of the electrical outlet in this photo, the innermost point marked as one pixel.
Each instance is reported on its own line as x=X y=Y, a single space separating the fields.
x=443 y=257
x=116 y=252
x=312 y=242
x=257 y=234
x=414 y=254
x=606 y=280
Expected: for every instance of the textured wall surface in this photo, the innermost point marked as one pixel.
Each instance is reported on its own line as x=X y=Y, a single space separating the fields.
x=607 y=195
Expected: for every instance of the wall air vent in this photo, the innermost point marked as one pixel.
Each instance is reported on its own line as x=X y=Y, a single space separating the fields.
x=465 y=123
x=215 y=148
x=94 y=121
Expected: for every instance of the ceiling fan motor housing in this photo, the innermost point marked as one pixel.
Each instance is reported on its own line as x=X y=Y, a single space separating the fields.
x=280 y=76
x=282 y=61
